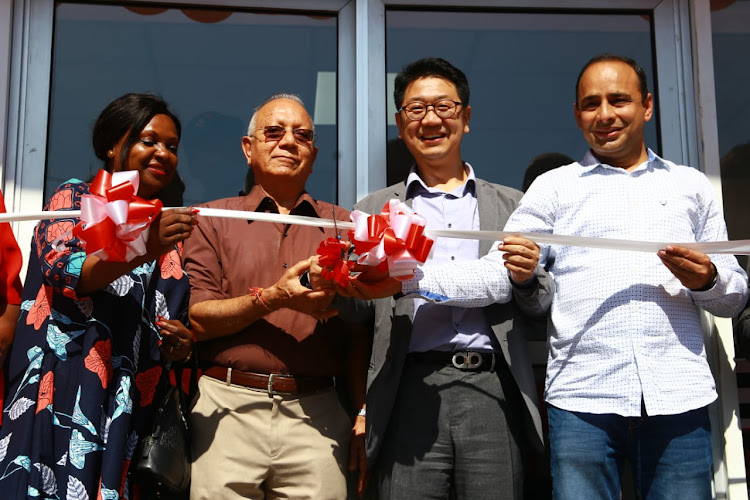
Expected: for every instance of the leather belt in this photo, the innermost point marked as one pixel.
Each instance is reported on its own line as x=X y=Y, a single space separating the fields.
x=463 y=360
x=275 y=383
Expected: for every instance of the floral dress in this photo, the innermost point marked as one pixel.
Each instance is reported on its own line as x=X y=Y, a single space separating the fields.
x=82 y=370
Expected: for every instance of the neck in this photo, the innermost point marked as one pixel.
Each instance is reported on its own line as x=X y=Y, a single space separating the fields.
x=285 y=198
x=629 y=163
x=443 y=177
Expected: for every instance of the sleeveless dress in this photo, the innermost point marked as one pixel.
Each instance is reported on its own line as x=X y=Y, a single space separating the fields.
x=82 y=370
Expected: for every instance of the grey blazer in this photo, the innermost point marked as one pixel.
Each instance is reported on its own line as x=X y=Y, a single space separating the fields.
x=393 y=322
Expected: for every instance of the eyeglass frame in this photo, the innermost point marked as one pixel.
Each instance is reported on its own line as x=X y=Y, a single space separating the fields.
x=457 y=104
x=310 y=143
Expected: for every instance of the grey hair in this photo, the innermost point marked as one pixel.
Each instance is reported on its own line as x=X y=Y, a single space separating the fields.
x=281 y=95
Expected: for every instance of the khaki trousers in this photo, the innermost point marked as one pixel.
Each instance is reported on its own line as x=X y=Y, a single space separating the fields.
x=248 y=445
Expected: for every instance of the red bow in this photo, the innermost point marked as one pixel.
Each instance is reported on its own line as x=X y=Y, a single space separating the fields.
x=114 y=221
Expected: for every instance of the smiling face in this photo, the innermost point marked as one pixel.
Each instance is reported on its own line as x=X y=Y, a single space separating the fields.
x=284 y=160
x=611 y=113
x=433 y=140
x=154 y=155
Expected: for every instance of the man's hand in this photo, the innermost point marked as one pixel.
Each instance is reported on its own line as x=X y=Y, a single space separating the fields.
x=370 y=283
x=694 y=269
x=521 y=257
x=289 y=293
x=358 y=456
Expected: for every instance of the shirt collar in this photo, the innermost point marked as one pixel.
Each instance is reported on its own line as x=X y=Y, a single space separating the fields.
x=591 y=163
x=415 y=184
x=257 y=200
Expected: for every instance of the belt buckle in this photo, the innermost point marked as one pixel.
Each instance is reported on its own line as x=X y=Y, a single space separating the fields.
x=467 y=360
x=271 y=391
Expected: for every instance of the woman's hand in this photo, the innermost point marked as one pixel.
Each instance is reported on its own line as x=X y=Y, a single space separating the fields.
x=176 y=340
x=169 y=228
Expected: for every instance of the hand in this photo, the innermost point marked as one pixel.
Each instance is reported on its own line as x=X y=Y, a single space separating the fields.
x=693 y=269
x=168 y=228
x=370 y=283
x=316 y=276
x=289 y=293
x=521 y=257
x=358 y=455
x=176 y=340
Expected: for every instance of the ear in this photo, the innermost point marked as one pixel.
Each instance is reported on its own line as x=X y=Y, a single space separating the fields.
x=399 y=124
x=467 y=117
x=247 y=149
x=648 y=104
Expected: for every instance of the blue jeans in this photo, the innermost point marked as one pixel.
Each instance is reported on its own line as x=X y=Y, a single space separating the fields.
x=671 y=455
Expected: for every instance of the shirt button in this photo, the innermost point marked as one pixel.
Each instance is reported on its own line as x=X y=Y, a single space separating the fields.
x=453 y=257
x=284 y=265
x=450 y=225
x=286 y=234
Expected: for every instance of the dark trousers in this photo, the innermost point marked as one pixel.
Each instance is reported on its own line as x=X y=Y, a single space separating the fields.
x=453 y=434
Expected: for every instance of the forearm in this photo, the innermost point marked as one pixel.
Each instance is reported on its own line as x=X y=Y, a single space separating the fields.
x=729 y=294
x=535 y=298
x=97 y=274
x=477 y=283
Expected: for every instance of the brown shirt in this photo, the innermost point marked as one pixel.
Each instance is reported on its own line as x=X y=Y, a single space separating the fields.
x=224 y=257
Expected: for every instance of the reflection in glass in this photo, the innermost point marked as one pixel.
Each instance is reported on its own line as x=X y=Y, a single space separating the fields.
x=522 y=68
x=212 y=66
x=730 y=24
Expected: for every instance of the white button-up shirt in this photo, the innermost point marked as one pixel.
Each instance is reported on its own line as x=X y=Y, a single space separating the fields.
x=623 y=328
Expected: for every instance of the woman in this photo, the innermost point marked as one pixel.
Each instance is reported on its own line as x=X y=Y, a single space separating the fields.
x=87 y=354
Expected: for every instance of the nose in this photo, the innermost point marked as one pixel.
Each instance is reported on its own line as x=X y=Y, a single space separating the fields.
x=288 y=139
x=606 y=112
x=431 y=116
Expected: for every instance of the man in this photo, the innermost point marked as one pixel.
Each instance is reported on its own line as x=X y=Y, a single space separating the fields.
x=627 y=375
x=450 y=390
x=267 y=420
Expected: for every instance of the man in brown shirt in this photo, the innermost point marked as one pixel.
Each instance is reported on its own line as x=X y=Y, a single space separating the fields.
x=267 y=419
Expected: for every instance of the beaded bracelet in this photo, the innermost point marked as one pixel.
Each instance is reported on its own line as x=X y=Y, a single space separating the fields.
x=257 y=292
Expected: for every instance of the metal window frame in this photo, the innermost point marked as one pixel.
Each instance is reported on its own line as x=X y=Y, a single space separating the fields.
x=682 y=44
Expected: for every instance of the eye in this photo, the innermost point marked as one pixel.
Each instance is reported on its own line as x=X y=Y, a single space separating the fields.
x=274 y=133
x=444 y=106
x=304 y=135
x=148 y=142
x=172 y=148
x=415 y=108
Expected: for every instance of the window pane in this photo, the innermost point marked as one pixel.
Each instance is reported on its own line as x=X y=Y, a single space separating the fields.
x=730 y=23
x=212 y=66
x=522 y=69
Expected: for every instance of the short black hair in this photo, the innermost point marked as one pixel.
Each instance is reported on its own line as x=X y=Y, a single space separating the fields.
x=430 y=67
x=615 y=57
x=128 y=114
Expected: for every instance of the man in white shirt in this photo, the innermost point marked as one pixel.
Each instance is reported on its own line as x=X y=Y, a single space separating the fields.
x=627 y=375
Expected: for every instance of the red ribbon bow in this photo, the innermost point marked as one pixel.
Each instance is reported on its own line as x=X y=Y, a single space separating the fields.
x=114 y=220
x=395 y=238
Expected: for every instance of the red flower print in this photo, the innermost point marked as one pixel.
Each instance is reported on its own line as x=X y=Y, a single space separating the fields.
x=46 y=391
x=146 y=383
x=170 y=265
x=99 y=361
x=40 y=308
x=61 y=200
x=61 y=229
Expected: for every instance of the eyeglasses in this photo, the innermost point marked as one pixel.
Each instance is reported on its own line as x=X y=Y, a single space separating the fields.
x=303 y=136
x=445 y=108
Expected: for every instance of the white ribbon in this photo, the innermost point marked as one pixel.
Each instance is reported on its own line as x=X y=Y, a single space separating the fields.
x=736 y=247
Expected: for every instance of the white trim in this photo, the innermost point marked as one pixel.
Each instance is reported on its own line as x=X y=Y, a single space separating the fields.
x=347 y=106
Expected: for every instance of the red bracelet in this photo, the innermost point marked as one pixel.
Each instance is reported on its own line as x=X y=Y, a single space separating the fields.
x=258 y=293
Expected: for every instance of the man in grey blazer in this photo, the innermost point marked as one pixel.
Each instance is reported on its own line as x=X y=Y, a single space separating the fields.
x=451 y=397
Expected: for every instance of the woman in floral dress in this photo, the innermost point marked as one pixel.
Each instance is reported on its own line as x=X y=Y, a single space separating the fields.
x=93 y=335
